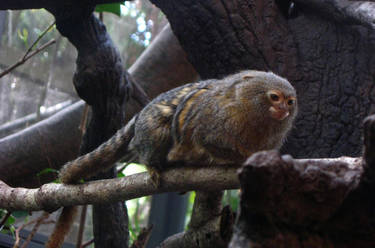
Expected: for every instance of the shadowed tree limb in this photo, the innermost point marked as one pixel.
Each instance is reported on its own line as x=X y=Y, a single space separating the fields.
x=204 y=227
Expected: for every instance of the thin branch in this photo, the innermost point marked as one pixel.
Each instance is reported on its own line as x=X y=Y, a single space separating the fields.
x=136 y=90
x=87 y=243
x=38 y=39
x=38 y=222
x=123 y=167
x=12 y=126
x=23 y=60
x=2 y=223
x=36 y=227
x=143 y=237
x=204 y=227
x=52 y=196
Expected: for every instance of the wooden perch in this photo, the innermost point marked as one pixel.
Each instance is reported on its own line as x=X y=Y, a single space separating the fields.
x=287 y=202
x=52 y=196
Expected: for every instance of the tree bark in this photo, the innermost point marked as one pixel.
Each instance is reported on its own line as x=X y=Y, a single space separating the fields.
x=302 y=203
x=102 y=83
x=51 y=196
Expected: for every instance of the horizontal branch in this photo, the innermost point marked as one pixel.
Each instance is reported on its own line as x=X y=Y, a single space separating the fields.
x=12 y=126
x=52 y=196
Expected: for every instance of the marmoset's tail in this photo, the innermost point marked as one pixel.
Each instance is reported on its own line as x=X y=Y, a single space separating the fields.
x=101 y=158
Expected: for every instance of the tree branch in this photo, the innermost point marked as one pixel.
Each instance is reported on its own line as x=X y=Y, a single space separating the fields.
x=27 y=56
x=52 y=196
x=205 y=225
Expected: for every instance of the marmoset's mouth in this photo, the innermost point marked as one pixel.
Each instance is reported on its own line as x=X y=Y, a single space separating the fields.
x=279 y=113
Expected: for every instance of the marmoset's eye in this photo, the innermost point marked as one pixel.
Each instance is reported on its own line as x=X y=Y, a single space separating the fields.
x=274 y=97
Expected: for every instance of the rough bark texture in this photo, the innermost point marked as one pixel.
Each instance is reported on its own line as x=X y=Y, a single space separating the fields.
x=51 y=196
x=301 y=203
x=330 y=63
x=100 y=81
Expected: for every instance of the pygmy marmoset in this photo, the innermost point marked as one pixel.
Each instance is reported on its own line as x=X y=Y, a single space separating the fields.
x=212 y=122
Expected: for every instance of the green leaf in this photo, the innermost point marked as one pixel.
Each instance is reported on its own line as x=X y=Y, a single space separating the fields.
x=46 y=171
x=20 y=213
x=10 y=221
x=120 y=174
x=25 y=33
x=13 y=230
x=114 y=8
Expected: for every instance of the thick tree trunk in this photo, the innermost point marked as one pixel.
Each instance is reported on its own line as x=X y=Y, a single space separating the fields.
x=102 y=83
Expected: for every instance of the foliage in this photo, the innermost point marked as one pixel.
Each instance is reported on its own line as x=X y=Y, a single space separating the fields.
x=231 y=198
x=114 y=8
x=9 y=224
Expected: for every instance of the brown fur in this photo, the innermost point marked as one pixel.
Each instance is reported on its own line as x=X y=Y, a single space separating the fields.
x=62 y=227
x=209 y=122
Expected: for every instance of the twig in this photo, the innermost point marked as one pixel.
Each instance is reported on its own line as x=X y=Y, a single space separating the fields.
x=143 y=237
x=38 y=222
x=38 y=39
x=87 y=243
x=136 y=91
x=36 y=227
x=23 y=60
x=123 y=167
x=81 y=226
x=5 y=219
